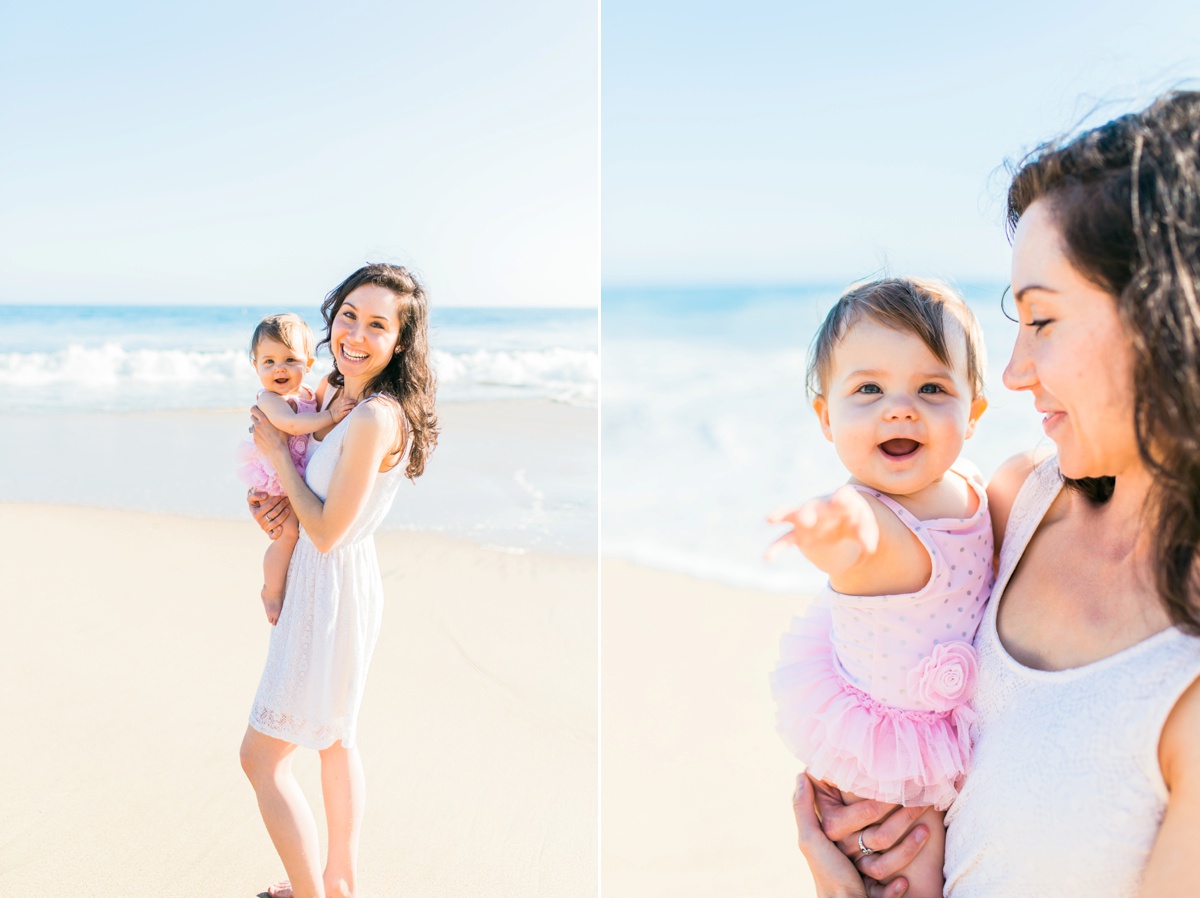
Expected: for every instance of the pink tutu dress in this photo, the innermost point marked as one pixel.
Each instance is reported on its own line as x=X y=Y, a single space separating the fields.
x=256 y=471
x=872 y=692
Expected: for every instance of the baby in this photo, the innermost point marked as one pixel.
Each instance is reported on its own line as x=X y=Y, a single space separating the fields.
x=281 y=351
x=873 y=685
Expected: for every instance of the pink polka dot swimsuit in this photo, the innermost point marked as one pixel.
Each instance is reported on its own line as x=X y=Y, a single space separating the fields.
x=872 y=692
x=256 y=471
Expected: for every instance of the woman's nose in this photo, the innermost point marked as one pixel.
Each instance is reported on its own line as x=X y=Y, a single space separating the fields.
x=1018 y=373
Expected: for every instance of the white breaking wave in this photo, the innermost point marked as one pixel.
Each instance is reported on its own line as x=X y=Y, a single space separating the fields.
x=111 y=365
x=154 y=378
x=569 y=375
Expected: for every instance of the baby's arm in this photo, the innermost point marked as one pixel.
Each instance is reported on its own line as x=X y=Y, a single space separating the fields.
x=280 y=413
x=834 y=532
x=854 y=538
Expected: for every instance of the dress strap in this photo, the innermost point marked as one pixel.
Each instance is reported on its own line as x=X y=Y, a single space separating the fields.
x=1029 y=506
x=909 y=520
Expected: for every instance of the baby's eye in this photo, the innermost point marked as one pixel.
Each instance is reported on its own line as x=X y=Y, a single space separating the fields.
x=931 y=388
x=869 y=388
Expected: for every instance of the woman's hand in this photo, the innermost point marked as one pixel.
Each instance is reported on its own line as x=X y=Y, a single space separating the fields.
x=270 y=440
x=269 y=511
x=832 y=872
x=882 y=828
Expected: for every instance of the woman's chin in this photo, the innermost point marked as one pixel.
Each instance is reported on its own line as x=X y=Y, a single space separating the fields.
x=1080 y=469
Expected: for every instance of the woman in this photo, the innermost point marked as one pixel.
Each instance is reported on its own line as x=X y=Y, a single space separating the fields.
x=316 y=666
x=1086 y=778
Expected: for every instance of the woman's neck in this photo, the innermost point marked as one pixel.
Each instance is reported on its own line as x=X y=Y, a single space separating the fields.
x=1123 y=518
x=355 y=387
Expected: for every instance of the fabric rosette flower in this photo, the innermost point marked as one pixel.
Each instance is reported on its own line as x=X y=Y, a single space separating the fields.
x=946 y=678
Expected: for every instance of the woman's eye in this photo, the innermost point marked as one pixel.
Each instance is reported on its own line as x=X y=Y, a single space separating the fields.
x=1038 y=323
x=931 y=388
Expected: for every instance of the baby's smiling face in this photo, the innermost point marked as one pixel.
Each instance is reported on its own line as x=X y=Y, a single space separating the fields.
x=896 y=415
x=280 y=367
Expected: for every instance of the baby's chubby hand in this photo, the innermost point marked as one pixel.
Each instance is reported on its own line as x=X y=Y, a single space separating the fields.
x=341 y=407
x=834 y=532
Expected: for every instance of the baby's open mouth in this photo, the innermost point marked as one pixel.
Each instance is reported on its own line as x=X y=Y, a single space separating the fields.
x=897 y=448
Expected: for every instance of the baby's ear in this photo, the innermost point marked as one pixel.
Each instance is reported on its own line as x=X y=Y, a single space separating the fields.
x=308 y=367
x=978 y=407
x=821 y=407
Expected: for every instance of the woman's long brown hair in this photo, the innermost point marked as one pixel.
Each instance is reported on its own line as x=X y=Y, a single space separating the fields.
x=408 y=379
x=1126 y=199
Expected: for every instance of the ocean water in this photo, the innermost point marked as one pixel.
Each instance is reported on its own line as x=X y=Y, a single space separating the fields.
x=142 y=408
x=705 y=427
x=147 y=358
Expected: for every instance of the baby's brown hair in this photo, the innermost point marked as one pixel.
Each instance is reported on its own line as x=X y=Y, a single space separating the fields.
x=917 y=306
x=289 y=329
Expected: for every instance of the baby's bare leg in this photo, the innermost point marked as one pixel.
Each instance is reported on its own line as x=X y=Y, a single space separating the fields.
x=275 y=567
x=924 y=875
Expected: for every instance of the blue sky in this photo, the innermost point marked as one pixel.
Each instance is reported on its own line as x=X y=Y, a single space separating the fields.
x=255 y=152
x=777 y=142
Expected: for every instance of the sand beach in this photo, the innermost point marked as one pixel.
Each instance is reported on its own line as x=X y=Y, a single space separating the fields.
x=130 y=649
x=132 y=639
x=695 y=785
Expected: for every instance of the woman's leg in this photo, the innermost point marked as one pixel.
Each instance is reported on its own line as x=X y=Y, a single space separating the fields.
x=268 y=764
x=344 y=789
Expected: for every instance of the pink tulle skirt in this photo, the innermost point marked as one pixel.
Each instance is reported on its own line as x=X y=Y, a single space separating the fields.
x=862 y=746
x=257 y=472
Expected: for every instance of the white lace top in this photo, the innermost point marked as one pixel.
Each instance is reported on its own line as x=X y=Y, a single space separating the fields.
x=1066 y=796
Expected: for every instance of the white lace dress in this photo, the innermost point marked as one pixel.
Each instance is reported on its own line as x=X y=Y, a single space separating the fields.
x=312 y=685
x=1066 y=796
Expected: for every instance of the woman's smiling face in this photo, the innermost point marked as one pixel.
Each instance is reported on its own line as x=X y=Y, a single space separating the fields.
x=1072 y=353
x=365 y=330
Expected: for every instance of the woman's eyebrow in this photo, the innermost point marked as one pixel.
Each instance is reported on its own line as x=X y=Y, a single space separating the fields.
x=370 y=317
x=1019 y=295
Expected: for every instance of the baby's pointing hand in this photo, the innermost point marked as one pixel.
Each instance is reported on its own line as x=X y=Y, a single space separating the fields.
x=834 y=531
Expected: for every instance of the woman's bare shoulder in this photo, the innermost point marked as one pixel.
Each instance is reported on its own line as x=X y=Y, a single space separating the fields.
x=378 y=417
x=1002 y=489
x=1179 y=747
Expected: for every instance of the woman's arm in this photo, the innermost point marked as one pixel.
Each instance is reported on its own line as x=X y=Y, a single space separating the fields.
x=1171 y=870
x=280 y=413
x=370 y=435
